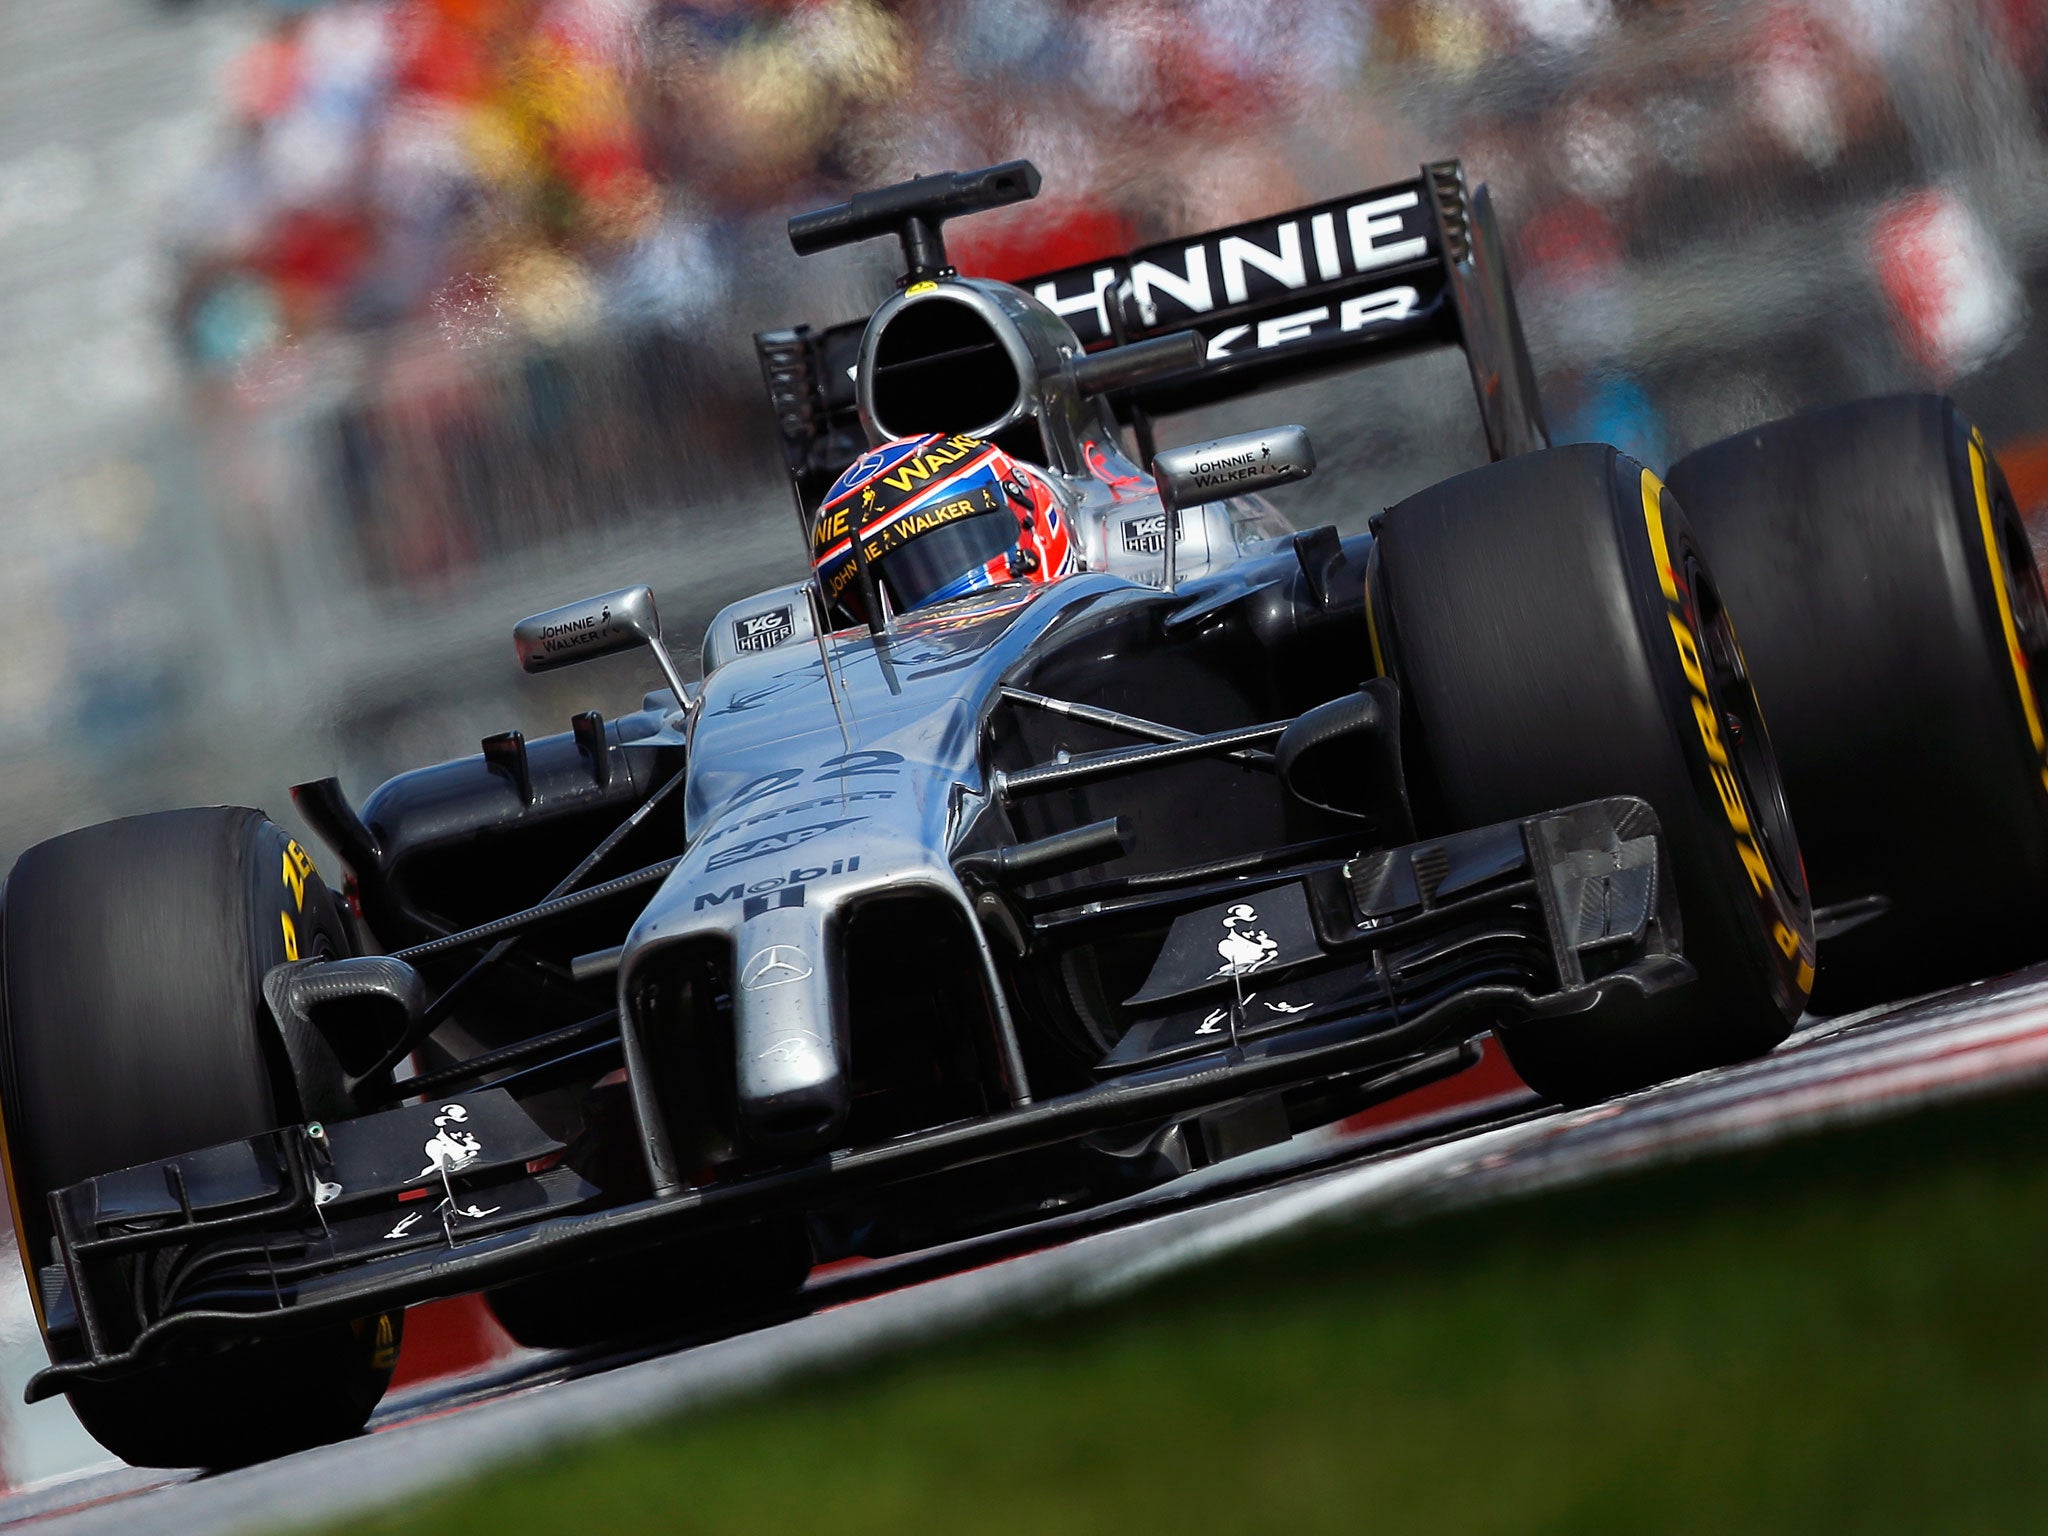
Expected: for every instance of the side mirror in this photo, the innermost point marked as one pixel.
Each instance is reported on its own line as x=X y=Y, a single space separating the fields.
x=597 y=626
x=1228 y=466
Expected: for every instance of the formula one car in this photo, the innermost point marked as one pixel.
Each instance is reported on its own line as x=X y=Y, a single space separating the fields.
x=936 y=908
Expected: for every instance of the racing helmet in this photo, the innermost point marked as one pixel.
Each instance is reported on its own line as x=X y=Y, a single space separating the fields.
x=939 y=516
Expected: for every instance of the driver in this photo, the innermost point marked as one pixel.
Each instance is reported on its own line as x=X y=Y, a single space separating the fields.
x=940 y=516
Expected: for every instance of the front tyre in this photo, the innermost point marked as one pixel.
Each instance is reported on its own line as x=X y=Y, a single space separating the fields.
x=134 y=1030
x=1558 y=637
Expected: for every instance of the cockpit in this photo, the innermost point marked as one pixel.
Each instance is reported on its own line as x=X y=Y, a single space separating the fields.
x=951 y=358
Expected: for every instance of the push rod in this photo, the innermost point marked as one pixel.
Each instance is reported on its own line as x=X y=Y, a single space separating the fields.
x=542 y=913
x=1117 y=720
x=1102 y=765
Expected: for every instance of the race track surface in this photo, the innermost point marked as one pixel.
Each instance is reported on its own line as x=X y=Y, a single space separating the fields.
x=1980 y=1040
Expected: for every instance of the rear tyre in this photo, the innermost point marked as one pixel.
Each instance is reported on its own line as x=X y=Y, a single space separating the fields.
x=134 y=1030
x=717 y=1280
x=1895 y=623
x=1557 y=638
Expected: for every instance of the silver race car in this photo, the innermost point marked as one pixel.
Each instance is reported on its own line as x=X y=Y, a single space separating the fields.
x=1074 y=823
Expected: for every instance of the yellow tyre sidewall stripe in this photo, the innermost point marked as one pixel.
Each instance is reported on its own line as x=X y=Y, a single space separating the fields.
x=1372 y=631
x=21 y=1243
x=2015 y=657
x=1739 y=814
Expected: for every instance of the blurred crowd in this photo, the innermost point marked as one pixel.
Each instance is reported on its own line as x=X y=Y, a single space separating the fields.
x=538 y=166
x=498 y=167
x=537 y=220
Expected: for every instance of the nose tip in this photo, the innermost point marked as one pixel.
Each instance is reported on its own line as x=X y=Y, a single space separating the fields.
x=802 y=1120
x=793 y=1094
x=792 y=1089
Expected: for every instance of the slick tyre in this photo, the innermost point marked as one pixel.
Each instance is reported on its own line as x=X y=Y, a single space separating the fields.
x=133 y=1030
x=1558 y=637
x=1894 y=621
x=713 y=1283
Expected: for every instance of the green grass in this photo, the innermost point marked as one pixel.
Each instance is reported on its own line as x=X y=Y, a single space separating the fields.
x=1842 y=1335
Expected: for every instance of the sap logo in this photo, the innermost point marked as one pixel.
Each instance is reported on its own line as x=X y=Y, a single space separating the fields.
x=764 y=631
x=775 y=842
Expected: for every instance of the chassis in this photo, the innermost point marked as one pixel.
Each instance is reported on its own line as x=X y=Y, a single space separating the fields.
x=1028 y=901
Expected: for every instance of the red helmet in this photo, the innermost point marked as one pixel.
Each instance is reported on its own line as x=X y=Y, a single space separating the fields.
x=939 y=516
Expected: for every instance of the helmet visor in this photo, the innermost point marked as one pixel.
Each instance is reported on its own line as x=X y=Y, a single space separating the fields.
x=921 y=569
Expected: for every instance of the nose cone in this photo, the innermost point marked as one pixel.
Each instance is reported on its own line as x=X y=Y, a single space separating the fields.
x=789 y=1034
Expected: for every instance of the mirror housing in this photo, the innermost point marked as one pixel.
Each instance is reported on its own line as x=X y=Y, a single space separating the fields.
x=597 y=626
x=1228 y=466
x=1234 y=466
x=1140 y=362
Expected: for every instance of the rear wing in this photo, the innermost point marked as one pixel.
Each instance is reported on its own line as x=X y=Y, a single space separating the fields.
x=1380 y=274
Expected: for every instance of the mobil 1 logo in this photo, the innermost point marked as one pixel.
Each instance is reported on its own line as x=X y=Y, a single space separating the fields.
x=772 y=893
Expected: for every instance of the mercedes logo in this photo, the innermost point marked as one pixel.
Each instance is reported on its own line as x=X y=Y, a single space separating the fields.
x=775 y=966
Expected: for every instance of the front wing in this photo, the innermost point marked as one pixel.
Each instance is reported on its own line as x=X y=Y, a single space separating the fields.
x=309 y=1224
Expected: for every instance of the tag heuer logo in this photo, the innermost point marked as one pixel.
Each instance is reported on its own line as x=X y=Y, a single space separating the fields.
x=1146 y=535
x=763 y=631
